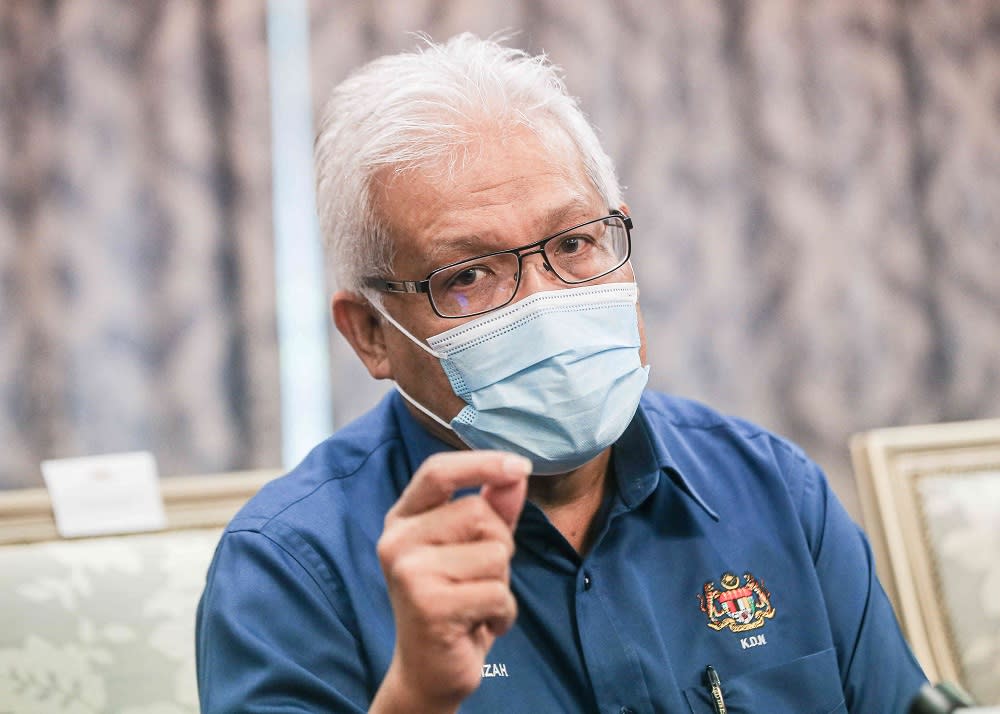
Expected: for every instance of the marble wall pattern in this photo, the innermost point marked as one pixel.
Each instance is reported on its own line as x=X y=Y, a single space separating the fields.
x=815 y=186
x=136 y=258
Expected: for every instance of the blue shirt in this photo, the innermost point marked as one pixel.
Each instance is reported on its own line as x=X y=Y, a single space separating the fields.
x=721 y=545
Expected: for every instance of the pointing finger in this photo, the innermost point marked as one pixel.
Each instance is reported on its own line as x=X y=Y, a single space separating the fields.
x=435 y=482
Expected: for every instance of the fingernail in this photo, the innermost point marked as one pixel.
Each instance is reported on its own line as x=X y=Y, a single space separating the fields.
x=514 y=465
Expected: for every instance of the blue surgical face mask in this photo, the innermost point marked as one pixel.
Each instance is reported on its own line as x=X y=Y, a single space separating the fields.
x=555 y=377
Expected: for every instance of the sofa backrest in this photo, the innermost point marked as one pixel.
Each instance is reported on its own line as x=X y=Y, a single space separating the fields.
x=106 y=624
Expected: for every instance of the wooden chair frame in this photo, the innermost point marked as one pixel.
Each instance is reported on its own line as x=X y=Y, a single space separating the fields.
x=888 y=464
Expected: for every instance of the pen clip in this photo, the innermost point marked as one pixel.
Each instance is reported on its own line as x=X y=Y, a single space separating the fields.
x=715 y=689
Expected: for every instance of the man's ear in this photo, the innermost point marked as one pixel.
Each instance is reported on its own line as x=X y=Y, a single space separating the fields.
x=363 y=328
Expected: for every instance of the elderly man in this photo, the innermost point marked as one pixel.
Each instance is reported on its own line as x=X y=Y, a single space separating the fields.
x=519 y=526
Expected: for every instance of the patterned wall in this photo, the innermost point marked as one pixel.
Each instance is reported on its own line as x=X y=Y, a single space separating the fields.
x=136 y=259
x=816 y=190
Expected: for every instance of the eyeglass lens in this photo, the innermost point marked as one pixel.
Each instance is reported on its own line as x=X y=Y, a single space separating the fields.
x=576 y=256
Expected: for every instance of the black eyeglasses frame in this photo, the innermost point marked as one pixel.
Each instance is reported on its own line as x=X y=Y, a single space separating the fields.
x=424 y=286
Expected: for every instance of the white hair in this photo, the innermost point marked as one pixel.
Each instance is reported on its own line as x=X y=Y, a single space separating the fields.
x=423 y=109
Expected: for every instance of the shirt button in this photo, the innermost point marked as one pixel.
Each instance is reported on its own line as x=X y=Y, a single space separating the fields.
x=586 y=586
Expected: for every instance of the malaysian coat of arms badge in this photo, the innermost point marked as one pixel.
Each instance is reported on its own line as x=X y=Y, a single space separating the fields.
x=740 y=607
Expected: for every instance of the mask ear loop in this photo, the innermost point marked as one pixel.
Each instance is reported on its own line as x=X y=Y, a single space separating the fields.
x=423 y=409
x=419 y=343
x=425 y=348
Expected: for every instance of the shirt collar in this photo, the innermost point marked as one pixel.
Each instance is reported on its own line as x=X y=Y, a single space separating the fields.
x=640 y=455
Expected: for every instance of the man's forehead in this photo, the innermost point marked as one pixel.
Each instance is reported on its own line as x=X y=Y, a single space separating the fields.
x=510 y=193
x=484 y=158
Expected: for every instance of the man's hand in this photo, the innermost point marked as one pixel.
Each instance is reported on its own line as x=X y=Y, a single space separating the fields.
x=447 y=565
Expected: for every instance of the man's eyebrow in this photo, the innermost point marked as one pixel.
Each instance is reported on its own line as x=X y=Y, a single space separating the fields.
x=579 y=210
x=450 y=250
x=569 y=214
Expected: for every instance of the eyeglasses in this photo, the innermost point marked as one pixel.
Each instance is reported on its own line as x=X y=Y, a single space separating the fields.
x=476 y=285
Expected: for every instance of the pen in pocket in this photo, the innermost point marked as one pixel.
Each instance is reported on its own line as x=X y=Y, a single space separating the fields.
x=715 y=689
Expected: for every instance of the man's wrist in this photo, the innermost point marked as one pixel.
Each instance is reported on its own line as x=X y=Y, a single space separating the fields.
x=395 y=696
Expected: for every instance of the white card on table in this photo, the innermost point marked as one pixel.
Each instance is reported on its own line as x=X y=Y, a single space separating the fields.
x=102 y=495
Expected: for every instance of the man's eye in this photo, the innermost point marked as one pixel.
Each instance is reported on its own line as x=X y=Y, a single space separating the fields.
x=573 y=244
x=569 y=245
x=466 y=277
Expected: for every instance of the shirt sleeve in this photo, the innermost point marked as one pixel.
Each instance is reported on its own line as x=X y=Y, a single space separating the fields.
x=877 y=669
x=269 y=637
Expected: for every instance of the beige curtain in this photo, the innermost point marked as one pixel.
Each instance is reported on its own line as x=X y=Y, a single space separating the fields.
x=136 y=288
x=815 y=186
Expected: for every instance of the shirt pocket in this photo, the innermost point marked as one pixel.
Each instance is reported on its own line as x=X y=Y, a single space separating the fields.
x=807 y=685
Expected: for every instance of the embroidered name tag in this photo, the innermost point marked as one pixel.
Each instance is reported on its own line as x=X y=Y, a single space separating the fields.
x=752 y=641
x=494 y=670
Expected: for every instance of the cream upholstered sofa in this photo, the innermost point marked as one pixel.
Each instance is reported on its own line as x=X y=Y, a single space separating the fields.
x=931 y=502
x=106 y=624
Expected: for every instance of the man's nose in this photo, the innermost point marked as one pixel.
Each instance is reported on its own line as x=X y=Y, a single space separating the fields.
x=536 y=275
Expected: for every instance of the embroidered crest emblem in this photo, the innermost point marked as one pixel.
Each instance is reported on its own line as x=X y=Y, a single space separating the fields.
x=738 y=607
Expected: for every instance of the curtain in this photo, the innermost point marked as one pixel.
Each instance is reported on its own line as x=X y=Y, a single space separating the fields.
x=136 y=258
x=815 y=188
